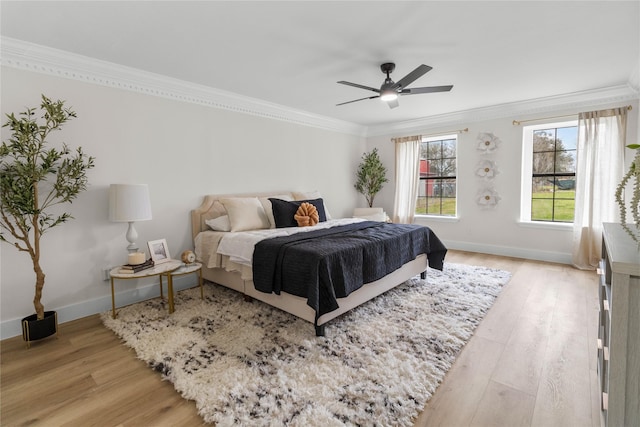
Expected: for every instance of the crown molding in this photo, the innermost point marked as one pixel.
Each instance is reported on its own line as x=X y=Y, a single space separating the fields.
x=577 y=102
x=23 y=55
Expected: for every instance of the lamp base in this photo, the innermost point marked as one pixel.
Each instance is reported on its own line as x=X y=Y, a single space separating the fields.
x=132 y=236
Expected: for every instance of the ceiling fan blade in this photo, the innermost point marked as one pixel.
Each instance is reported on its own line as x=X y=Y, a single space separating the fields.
x=430 y=89
x=412 y=76
x=393 y=103
x=356 y=100
x=359 y=86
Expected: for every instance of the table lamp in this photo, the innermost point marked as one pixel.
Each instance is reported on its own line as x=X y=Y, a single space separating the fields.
x=129 y=203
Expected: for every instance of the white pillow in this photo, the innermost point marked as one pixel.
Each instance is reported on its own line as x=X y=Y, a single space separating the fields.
x=266 y=204
x=358 y=212
x=382 y=217
x=245 y=213
x=220 y=223
x=312 y=195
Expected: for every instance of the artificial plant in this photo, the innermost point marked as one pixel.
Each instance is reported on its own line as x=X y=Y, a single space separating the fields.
x=371 y=176
x=632 y=175
x=35 y=178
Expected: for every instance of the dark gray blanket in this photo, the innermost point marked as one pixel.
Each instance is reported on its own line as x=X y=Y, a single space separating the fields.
x=324 y=265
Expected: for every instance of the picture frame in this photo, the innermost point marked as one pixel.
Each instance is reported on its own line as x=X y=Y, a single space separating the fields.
x=159 y=251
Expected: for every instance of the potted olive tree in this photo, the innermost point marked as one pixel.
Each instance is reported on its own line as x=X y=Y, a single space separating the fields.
x=33 y=179
x=371 y=176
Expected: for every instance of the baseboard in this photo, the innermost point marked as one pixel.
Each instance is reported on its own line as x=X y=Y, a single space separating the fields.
x=11 y=328
x=532 y=254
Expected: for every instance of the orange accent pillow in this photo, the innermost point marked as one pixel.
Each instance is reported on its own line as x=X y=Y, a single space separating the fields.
x=306 y=215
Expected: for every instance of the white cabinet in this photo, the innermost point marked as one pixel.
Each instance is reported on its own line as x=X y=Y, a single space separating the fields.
x=619 y=328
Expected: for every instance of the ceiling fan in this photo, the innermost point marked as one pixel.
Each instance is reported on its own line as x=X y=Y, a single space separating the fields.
x=390 y=90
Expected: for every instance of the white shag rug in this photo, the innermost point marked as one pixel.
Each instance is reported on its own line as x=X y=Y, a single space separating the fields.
x=246 y=363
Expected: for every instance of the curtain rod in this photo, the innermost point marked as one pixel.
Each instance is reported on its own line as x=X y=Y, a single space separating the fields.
x=436 y=134
x=518 y=122
x=447 y=132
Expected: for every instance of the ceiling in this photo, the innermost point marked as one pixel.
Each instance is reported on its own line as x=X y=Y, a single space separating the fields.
x=292 y=53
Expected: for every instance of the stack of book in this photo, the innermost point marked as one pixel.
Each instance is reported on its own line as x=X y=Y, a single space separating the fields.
x=131 y=268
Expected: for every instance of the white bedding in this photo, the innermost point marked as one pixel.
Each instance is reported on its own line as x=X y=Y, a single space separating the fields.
x=239 y=246
x=233 y=251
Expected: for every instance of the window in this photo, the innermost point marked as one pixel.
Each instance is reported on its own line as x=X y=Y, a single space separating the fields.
x=549 y=172
x=437 y=189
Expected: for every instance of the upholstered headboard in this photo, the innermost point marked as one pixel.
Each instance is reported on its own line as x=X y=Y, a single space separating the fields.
x=212 y=208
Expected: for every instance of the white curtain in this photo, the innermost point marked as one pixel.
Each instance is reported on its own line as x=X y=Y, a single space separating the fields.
x=601 y=142
x=407 y=178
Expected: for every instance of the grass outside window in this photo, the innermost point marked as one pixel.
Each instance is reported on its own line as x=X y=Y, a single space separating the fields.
x=546 y=207
x=445 y=206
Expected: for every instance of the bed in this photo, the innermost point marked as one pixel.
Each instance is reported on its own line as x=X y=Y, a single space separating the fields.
x=231 y=232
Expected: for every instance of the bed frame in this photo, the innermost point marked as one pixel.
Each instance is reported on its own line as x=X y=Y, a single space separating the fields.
x=295 y=305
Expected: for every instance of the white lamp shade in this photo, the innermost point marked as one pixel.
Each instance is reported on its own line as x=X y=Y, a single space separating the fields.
x=129 y=203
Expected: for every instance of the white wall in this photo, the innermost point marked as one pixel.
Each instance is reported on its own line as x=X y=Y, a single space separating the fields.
x=182 y=151
x=498 y=230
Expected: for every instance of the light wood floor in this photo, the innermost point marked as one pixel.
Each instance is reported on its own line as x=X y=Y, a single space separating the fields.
x=531 y=362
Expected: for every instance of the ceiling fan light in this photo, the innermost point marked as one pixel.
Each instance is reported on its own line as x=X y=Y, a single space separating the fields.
x=389 y=95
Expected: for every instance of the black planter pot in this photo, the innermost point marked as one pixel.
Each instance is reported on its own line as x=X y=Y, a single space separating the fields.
x=34 y=329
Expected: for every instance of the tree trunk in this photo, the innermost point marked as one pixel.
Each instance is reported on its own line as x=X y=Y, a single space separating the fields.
x=38 y=294
x=35 y=257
